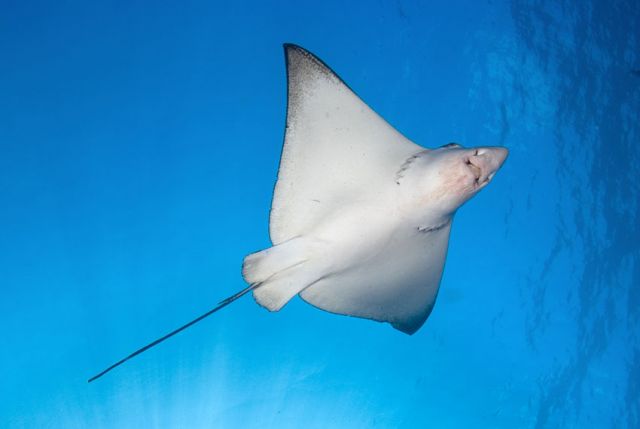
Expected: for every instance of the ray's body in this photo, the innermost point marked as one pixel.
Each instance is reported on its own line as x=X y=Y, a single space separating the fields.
x=361 y=215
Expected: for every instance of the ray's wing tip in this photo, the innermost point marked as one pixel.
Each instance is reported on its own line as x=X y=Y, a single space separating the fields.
x=407 y=328
x=292 y=46
x=291 y=49
x=299 y=59
x=291 y=52
x=296 y=53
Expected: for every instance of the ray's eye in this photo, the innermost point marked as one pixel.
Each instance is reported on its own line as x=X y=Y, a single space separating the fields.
x=450 y=145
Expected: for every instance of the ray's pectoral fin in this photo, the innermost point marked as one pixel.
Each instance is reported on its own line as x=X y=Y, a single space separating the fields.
x=398 y=285
x=282 y=271
x=336 y=148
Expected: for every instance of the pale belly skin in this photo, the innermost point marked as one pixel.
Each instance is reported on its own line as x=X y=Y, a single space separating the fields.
x=378 y=262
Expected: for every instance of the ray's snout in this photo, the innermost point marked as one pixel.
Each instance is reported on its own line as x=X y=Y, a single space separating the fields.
x=499 y=154
x=489 y=160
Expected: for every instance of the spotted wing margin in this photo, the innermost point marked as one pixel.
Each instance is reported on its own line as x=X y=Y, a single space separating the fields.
x=336 y=149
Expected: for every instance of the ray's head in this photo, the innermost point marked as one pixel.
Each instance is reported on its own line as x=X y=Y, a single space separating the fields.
x=452 y=174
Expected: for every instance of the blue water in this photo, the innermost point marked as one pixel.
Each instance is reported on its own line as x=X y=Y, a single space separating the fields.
x=139 y=145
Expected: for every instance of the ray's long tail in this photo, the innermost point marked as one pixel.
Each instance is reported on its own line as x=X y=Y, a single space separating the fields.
x=220 y=305
x=275 y=275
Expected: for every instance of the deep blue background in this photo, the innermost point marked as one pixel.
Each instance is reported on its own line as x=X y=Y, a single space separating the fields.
x=139 y=144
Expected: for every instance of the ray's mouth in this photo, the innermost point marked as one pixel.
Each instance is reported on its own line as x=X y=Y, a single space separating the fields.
x=477 y=172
